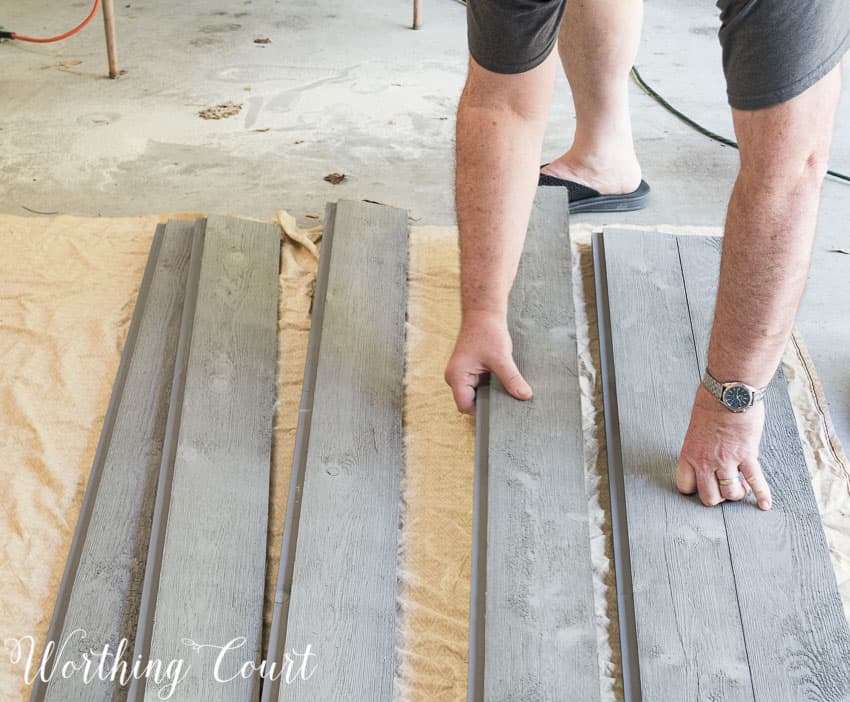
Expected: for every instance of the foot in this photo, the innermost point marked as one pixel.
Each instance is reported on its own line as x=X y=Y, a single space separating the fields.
x=614 y=178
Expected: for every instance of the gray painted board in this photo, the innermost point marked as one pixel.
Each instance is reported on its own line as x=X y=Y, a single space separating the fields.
x=210 y=589
x=144 y=626
x=103 y=603
x=540 y=636
x=271 y=680
x=478 y=576
x=689 y=636
x=344 y=587
x=616 y=483
x=797 y=638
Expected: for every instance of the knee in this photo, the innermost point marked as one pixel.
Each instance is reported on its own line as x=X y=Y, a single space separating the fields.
x=788 y=145
x=789 y=167
x=522 y=95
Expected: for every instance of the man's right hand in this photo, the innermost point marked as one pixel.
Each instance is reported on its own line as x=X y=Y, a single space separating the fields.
x=483 y=345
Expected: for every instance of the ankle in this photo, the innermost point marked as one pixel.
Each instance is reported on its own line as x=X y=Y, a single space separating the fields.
x=609 y=173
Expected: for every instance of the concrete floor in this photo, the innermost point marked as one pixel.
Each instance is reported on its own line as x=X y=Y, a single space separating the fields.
x=348 y=87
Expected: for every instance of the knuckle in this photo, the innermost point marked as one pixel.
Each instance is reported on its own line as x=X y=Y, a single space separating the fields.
x=710 y=501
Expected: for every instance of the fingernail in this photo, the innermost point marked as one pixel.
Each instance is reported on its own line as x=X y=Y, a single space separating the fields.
x=764 y=504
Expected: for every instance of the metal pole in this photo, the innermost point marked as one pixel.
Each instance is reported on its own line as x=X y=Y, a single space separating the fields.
x=109 y=24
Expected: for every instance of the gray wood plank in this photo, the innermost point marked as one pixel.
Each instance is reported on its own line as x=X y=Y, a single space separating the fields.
x=274 y=659
x=141 y=649
x=540 y=637
x=103 y=603
x=478 y=575
x=627 y=629
x=798 y=641
x=344 y=589
x=210 y=589
x=689 y=636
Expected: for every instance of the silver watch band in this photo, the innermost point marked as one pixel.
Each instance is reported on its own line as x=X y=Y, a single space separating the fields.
x=715 y=387
x=718 y=389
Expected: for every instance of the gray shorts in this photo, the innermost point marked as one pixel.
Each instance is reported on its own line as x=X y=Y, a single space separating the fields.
x=773 y=50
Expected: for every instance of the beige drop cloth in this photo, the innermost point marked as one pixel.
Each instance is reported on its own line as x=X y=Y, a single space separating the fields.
x=67 y=291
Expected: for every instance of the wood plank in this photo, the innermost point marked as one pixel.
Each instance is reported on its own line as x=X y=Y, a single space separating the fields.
x=689 y=636
x=144 y=627
x=106 y=565
x=344 y=589
x=797 y=637
x=478 y=575
x=277 y=636
x=539 y=613
x=630 y=669
x=210 y=589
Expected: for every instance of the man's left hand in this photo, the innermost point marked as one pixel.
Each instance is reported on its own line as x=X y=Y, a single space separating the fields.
x=718 y=446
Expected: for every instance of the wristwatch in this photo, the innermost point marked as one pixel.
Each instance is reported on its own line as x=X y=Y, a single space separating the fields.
x=734 y=396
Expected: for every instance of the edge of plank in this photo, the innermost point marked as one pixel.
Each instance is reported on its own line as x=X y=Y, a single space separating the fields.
x=277 y=635
x=75 y=552
x=144 y=627
x=619 y=525
x=478 y=579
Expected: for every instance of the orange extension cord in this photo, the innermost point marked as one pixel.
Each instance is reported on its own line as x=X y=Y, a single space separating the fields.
x=35 y=40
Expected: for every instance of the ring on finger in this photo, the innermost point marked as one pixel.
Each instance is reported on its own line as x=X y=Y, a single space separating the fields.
x=730 y=481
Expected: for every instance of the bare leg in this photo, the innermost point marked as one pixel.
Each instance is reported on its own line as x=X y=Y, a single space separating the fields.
x=598 y=44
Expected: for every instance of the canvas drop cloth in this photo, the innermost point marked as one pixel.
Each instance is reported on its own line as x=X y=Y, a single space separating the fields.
x=67 y=292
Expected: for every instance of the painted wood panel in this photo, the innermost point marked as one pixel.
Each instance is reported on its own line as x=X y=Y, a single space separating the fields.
x=344 y=589
x=276 y=670
x=141 y=648
x=689 y=636
x=798 y=642
x=102 y=605
x=540 y=637
x=209 y=600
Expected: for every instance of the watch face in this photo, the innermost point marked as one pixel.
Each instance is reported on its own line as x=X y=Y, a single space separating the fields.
x=737 y=397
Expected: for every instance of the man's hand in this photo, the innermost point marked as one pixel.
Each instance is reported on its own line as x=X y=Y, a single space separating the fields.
x=483 y=345
x=720 y=444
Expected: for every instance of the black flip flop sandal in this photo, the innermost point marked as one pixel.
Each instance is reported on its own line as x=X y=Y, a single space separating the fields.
x=585 y=199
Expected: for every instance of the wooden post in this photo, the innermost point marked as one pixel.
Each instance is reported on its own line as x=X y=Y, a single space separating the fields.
x=109 y=24
x=417 y=14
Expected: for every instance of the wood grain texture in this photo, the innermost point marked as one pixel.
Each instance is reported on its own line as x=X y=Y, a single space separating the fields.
x=271 y=681
x=210 y=589
x=104 y=601
x=690 y=641
x=344 y=589
x=539 y=616
x=797 y=638
x=144 y=627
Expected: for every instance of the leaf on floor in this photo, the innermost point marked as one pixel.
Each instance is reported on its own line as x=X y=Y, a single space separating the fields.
x=221 y=111
x=65 y=65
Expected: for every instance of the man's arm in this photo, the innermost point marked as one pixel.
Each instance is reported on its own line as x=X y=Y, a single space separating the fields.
x=500 y=125
x=770 y=229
